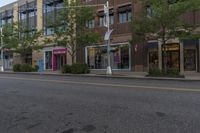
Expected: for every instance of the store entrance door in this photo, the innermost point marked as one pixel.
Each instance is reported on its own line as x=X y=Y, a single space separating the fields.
x=190 y=60
x=60 y=61
x=172 y=58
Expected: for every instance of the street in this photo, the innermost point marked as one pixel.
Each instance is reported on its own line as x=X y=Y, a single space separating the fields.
x=73 y=104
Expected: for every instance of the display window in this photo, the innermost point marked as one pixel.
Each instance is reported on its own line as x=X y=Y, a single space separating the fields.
x=119 y=55
x=190 y=59
x=48 y=59
x=153 y=59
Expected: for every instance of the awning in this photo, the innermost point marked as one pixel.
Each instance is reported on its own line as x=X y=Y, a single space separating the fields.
x=190 y=42
x=152 y=45
x=124 y=8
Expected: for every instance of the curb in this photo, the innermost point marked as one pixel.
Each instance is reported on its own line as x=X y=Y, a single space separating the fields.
x=101 y=76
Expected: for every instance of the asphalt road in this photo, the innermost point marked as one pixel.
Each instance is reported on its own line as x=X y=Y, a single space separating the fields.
x=53 y=104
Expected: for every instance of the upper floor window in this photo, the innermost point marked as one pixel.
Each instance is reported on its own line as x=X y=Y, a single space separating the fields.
x=90 y=24
x=87 y=0
x=49 y=31
x=111 y=19
x=9 y=20
x=31 y=14
x=102 y=20
x=149 y=11
x=125 y=14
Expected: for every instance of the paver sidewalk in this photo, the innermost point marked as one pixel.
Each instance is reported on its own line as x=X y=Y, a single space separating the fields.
x=189 y=76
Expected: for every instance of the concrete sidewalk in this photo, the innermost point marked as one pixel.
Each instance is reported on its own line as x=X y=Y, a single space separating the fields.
x=189 y=76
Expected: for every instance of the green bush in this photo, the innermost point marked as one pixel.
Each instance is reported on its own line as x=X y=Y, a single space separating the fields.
x=35 y=68
x=155 y=72
x=26 y=68
x=66 y=69
x=171 y=72
x=79 y=69
x=16 y=68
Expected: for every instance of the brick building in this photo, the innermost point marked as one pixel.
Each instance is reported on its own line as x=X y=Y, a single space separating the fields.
x=183 y=54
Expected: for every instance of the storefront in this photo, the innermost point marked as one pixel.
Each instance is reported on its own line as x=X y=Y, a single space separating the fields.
x=54 y=58
x=189 y=52
x=96 y=56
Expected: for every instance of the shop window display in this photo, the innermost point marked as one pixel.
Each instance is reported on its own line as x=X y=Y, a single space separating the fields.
x=153 y=59
x=190 y=60
x=97 y=57
x=48 y=59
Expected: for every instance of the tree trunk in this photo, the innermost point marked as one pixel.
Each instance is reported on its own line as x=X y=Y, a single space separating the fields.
x=73 y=59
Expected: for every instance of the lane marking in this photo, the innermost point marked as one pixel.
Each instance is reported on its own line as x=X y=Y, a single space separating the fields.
x=105 y=84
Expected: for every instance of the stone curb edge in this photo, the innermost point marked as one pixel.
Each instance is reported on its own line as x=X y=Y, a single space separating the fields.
x=101 y=76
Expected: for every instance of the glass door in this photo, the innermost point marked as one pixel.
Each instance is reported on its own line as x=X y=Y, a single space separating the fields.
x=190 y=60
x=172 y=58
x=58 y=62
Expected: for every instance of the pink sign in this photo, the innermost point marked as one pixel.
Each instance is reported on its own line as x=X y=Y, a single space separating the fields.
x=57 y=52
x=60 y=51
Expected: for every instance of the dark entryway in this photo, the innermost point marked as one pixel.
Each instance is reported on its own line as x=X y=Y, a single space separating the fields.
x=172 y=58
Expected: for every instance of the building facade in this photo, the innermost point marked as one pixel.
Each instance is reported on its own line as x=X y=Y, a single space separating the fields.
x=183 y=55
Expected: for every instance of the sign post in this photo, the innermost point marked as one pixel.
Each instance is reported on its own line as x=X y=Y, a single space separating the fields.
x=107 y=36
x=2 y=61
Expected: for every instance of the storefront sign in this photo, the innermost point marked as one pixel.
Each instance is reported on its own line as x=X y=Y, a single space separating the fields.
x=60 y=51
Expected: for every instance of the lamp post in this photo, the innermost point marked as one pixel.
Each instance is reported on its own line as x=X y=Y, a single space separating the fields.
x=107 y=36
x=2 y=63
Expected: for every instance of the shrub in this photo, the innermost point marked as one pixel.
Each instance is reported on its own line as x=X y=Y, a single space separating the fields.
x=16 y=68
x=35 y=68
x=26 y=68
x=79 y=69
x=66 y=69
x=155 y=72
x=172 y=72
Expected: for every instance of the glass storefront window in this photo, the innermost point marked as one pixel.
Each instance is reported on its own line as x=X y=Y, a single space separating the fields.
x=97 y=57
x=153 y=59
x=190 y=59
x=48 y=59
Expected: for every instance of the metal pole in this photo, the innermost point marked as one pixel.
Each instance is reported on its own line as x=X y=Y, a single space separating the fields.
x=2 y=61
x=109 y=70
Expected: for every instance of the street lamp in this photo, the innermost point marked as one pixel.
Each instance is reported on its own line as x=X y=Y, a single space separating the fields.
x=107 y=36
x=2 y=63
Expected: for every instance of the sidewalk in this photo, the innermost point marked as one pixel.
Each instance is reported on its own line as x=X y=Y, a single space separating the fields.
x=189 y=76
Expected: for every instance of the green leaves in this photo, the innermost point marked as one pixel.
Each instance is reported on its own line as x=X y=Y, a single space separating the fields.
x=20 y=40
x=70 y=27
x=166 y=21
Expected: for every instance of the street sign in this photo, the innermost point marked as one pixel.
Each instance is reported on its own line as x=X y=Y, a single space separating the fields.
x=107 y=35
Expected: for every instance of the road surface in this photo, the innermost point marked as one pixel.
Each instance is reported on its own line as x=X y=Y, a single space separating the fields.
x=67 y=104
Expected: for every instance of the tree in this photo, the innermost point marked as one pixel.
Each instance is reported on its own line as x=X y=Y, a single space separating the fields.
x=9 y=38
x=70 y=28
x=20 y=40
x=28 y=40
x=162 y=20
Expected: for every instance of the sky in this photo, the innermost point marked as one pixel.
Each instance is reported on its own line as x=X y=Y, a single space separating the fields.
x=5 y=2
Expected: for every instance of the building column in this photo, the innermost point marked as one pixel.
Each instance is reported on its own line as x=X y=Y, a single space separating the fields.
x=39 y=15
x=160 y=55
x=15 y=13
x=181 y=59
